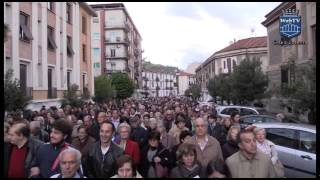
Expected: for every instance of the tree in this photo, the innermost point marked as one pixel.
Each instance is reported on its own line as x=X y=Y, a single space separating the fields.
x=301 y=92
x=71 y=98
x=15 y=99
x=248 y=82
x=104 y=91
x=220 y=86
x=124 y=86
x=194 y=90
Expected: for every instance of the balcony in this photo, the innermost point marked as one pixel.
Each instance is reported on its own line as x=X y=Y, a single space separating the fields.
x=125 y=41
x=109 y=57
x=125 y=26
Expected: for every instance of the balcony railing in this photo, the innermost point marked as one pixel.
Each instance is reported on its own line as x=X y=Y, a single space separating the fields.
x=123 y=25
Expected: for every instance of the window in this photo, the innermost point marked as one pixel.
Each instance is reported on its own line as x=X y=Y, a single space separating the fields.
x=282 y=137
x=70 y=51
x=96 y=36
x=84 y=25
x=24 y=32
x=51 y=43
x=244 y=111
x=95 y=20
x=68 y=79
x=307 y=141
x=84 y=82
x=224 y=64
x=23 y=78
x=313 y=32
x=50 y=6
x=228 y=111
x=113 y=52
x=251 y=120
x=84 y=53
x=95 y=53
x=234 y=63
x=69 y=13
x=113 y=66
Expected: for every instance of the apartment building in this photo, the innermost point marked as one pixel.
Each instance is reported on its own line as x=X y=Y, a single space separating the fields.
x=224 y=60
x=184 y=81
x=43 y=49
x=120 y=42
x=279 y=71
x=159 y=81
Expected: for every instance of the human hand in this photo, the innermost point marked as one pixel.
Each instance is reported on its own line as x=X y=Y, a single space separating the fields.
x=157 y=159
x=35 y=171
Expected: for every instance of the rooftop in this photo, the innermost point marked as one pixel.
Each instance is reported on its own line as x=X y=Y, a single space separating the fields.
x=253 y=42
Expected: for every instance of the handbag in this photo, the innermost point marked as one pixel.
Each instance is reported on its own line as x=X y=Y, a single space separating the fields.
x=161 y=171
x=279 y=169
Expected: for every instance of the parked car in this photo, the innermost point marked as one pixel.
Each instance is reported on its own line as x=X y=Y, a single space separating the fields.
x=226 y=111
x=296 y=146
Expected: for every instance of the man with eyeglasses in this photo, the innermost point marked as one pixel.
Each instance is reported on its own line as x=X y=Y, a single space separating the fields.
x=208 y=148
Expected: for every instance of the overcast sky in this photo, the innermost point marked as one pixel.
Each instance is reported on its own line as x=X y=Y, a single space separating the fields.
x=179 y=33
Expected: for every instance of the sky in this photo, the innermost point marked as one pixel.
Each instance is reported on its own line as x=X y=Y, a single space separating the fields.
x=180 y=33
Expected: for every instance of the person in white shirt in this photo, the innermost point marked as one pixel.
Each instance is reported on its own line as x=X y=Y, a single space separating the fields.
x=264 y=145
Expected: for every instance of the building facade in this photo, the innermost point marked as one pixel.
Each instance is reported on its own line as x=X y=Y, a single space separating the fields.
x=120 y=42
x=158 y=81
x=184 y=81
x=43 y=49
x=278 y=71
x=224 y=60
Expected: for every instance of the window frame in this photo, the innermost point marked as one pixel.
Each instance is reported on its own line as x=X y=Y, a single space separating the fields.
x=51 y=38
x=24 y=32
x=300 y=142
x=84 y=53
x=84 y=25
x=295 y=144
x=69 y=16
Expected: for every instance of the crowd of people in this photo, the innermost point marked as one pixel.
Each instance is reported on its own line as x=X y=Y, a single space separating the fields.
x=153 y=137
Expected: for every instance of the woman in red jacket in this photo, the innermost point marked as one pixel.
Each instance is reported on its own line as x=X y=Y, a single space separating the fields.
x=130 y=147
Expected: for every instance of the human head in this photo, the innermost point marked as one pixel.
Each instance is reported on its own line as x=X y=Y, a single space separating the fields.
x=160 y=127
x=82 y=132
x=280 y=117
x=184 y=135
x=61 y=113
x=124 y=130
x=212 y=118
x=186 y=154
x=6 y=127
x=115 y=114
x=154 y=139
x=61 y=130
x=35 y=127
x=260 y=134
x=87 y=121
x=169 y=115
x=70 y=160
x=72 y=119
x=125 y=166
x=153 y=123
x=235 y=117
x=180 y=120
x=232 y=133
x=247 y=142
x=146 y=118
x=18 y=133
x=41 y=120
x=226 y=122
x=134 y=121
x=107 y=130
x=101 y=117
x=201 y=127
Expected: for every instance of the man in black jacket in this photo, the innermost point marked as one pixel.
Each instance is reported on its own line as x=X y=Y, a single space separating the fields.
x=101 y=160
x=216 y=130
x=19 y=154
x=138 y=133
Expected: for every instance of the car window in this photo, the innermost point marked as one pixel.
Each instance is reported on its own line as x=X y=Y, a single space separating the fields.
x=307 y=141
x=251 y=120
x=228 y=111
x=267 y=119
x=282 y=137
x=244 y=111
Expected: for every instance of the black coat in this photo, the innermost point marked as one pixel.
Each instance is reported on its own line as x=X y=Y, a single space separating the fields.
x=139 y=135
x=229 y=148
x=32 y=146
x=94 y=131
x=218 y=132
x=165 y=157
x=98 y=165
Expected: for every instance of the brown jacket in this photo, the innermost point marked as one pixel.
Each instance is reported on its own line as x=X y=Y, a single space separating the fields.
x=211 y=152
x=259 y=167
x=83 y=147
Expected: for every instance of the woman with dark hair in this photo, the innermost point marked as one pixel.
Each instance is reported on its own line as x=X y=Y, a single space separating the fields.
x=180 y=125
x=188 y=166
x=235 y=118
x=155 y=158
x=126 y=168
x=83 y=141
